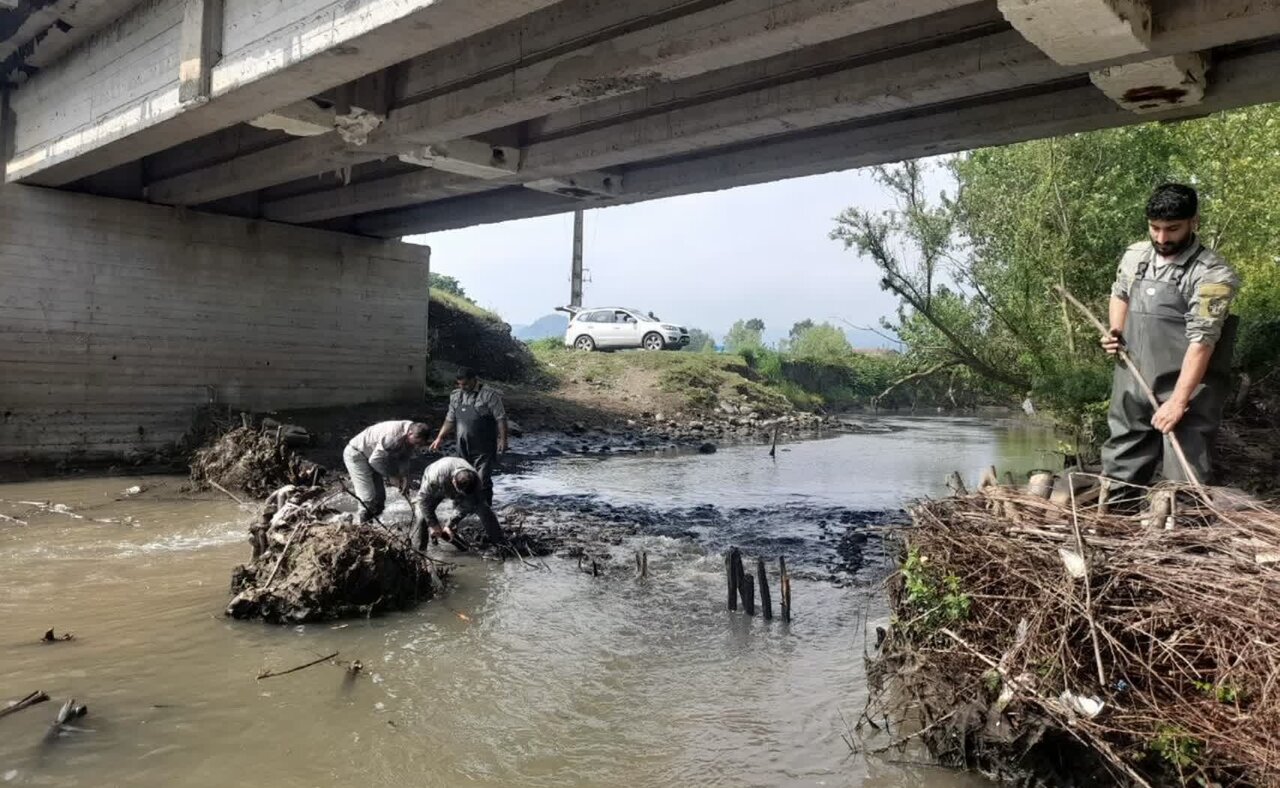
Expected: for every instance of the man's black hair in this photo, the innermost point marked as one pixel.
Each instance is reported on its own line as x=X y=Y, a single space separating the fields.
x=466 y=481
x=465 y=373
x=1173 y=202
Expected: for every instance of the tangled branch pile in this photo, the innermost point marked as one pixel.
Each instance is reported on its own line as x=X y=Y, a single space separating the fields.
x=311 y=563
x=255 y=460
x=1150 y=657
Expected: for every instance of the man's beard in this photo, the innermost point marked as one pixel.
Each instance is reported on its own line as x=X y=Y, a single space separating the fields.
x=1173 y=249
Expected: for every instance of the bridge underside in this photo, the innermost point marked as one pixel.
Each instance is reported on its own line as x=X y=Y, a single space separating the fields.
x=155 y=150
x=391 y=117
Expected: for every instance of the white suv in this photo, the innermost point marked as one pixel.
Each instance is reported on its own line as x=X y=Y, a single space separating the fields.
x=613 y=328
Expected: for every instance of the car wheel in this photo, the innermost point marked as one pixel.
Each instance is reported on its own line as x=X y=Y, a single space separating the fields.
x=653 y=341
x=585 y=342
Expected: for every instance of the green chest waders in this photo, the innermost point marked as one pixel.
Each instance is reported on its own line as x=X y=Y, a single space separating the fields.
x=1155 y=334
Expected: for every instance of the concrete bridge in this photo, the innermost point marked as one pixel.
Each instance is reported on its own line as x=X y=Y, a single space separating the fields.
x=198 y=191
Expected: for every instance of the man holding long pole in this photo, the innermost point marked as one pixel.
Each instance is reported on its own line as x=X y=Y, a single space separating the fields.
x=1169 y=311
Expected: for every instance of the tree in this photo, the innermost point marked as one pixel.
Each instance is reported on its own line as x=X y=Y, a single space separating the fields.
x=974 y=273
x=799 y=328
x=700 y=341
x=446 y=284
x=821 y=342
x=745 y=335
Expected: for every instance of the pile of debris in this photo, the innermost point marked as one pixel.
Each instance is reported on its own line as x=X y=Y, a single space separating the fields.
x=313 y=563
x=255 y=460
x=1071 y=646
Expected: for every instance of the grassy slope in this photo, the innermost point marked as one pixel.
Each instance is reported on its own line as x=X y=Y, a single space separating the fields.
x=638 y=381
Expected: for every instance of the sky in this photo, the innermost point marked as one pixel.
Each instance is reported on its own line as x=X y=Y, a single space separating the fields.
x=702 y=260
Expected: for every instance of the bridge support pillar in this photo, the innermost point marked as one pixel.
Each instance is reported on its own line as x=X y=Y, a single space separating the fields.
x=119 y=320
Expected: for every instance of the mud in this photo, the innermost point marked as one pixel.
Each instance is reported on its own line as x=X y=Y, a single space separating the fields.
x=832 y=544
x=312 y=563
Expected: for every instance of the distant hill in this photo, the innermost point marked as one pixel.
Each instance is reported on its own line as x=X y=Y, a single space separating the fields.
x=542 y=328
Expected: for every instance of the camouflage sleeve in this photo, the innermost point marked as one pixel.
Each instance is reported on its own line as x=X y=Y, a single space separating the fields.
x=1209 y=300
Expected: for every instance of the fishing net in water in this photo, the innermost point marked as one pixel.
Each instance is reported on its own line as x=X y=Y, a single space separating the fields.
x=312 y=563
x=1130 y=653
x=252 y=460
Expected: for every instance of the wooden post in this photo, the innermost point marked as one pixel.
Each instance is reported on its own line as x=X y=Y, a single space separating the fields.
x=1041 y=484
x=956 y=484
x=785 y=581
x=749 y=593
x=1104 y=495
x=730 y=572
x=766 y=603
x=743 y=584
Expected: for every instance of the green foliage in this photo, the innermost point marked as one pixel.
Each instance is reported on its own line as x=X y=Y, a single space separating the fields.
x=800 y=327
x=464 y=305
x=440 y=283
x=822 y=342
x=699 y=342
x=1224 y=693
x=545 y=344
x=744 y=335
x=936 y=601
x=974 y=272
x=1176 y=747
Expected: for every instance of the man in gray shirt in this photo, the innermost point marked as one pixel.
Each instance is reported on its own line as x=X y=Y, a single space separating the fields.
x=476 y=411
x=1169 y=309
x=453 y=479
x=378 y=452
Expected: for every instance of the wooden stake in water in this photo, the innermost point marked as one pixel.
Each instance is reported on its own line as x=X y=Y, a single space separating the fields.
x=732 y=577
x=785 y=580
x=766 y=603
x=749 y=593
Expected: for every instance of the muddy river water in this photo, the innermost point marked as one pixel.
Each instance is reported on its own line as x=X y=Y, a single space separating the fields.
x=518 y=676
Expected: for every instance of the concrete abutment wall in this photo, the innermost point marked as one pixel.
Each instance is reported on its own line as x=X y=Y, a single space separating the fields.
x=119 y=319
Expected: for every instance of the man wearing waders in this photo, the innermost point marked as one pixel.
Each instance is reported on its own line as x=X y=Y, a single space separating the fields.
x=476 y=411
x=1168 y=310
x=381 y=451
x=453 y=479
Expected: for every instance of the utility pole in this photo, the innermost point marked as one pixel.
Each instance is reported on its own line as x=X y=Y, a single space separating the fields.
x=575 y=282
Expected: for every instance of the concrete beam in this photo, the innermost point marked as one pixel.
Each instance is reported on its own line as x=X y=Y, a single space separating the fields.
x=719 y=36
x=301 y=119
x=1192 y=25
x=1073 y=32
x=77 y=117
x=722 y=35
x=581 y=186
x=1240 y=81
x=1004 y=61
x=383 y=193
x=201 y=48
x=936 y=30
x=992 y=64
x=258 y=170
x=472 y=158
x=1154 y=85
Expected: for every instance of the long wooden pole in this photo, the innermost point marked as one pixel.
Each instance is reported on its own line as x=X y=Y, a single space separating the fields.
x=1146 y=387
